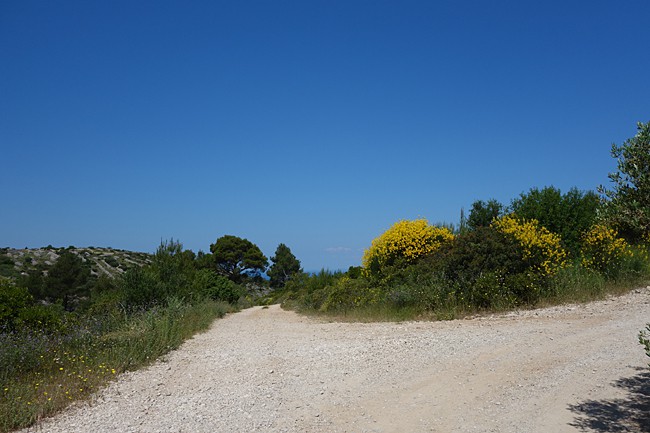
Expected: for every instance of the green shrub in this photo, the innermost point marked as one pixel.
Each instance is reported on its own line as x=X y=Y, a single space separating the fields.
x=483 y=250
x=307 y=291
x=7 y=266
x=542 y=249
x=487 y=291
x=139 y=288
x=628 y=207
x=603 y=250
x=216 y=287
x=576 y=283
x=13 y=300
x=348 y=293
x=46 y=318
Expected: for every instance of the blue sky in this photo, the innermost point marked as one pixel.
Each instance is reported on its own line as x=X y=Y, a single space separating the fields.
x=317 y=124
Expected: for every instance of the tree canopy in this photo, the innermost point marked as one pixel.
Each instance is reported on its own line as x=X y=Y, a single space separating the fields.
x=569 y=215
x=284 y=266
x=67 y=278
x=237 y=258
x=483 y=213
x=628 y=205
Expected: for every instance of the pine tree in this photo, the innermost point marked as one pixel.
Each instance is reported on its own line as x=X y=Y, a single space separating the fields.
x=285 y=265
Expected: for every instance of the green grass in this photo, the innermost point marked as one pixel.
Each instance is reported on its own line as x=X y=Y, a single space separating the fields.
x=41 y=374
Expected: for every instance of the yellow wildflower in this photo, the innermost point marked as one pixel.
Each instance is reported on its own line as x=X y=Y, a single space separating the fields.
x=541 y=247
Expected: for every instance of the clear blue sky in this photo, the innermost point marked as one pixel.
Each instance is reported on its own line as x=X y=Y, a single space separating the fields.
x=317 y=124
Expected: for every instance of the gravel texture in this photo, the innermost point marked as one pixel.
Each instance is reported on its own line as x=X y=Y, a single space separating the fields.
x=568 y=368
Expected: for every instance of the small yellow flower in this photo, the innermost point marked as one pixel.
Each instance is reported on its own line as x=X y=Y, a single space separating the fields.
x=541 y=247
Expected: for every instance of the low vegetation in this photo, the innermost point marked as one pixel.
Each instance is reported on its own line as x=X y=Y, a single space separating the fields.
x=512 y=263
x=66 y=331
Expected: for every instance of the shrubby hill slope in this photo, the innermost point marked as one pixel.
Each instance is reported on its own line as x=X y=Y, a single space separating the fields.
x=102 y=261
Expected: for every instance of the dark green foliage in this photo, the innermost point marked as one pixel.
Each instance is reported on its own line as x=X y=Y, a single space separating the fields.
x=204 y=261
x=628 y=208
x=34 y=282
x=308 y=291
x=173 y=273
x=216 y=287
x=139 y=288
x=50 y=318
x=19 y=311
x=104 y=284
x=347 y=294
x=13 y=300
x=482 y=213
x=569 y=215
x=173 y=269
x=483 y=250
x=285 y=266
x=6 y=266
x=354 y=271
x=238 y=258
x=67 y=279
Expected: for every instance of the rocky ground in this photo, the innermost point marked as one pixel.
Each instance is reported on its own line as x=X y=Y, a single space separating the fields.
x=561 y=369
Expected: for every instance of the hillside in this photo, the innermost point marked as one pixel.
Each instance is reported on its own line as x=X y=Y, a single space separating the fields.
x=102 y=261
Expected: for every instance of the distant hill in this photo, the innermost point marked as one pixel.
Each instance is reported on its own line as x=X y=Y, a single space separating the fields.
x=102 y=261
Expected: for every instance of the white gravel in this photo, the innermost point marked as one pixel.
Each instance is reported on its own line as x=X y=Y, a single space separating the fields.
x=270 y=370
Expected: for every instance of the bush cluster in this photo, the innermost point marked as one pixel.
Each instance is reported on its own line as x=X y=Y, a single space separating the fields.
x=603 y=250
x=512 y=262
x=542 y=249
x=64 y=335
x=403 y=243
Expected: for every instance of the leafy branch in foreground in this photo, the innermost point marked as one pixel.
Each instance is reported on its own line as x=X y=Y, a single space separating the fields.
x=628 y=207
x=644 y=339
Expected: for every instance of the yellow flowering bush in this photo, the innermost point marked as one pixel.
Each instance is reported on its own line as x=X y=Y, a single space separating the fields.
x=404 y=241
x=602 y=248
x=542 y=248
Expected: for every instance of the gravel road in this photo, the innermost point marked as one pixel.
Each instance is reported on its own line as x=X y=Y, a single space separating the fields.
x=560 y=369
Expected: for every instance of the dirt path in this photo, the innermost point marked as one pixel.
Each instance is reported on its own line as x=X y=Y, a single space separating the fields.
x=562 y=369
